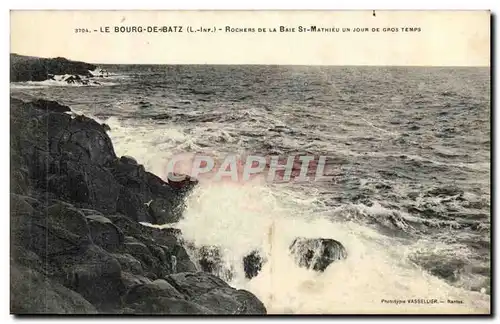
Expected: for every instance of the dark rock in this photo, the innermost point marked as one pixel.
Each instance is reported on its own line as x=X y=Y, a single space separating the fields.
x=75 y=235
x=105 y=126
x=168 y=306
x=166 y=236
x=56 y=231
x=87 y=212
x=158 y=253
x=163 y=211
x=76 y=79
x=177 y=259
x=19 y=182
x=128 y=226
x=24 y=257
x=210 y=259
x=130 y=280
x=88 y=185
x=49 y=105
x=194 y=284
x=142 y=253
x=93 y=273
x=49 y=240
x=187 y=184
x=132 y=205
x=137 y=248
x=33 y=293
x=104 y=233
x=129 y=263
x=128 y=160
x=69 y=218
x=252 y=264
x=214 y=294
x=86 y=139
x=317 y=253
x=151 y=275
x=181 y=260
x=130 y=175
x=228 y=300
x=21 y=219
x=157 y=288
x=146 y=197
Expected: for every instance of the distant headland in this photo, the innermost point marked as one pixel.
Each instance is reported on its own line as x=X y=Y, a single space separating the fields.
x=30 y=68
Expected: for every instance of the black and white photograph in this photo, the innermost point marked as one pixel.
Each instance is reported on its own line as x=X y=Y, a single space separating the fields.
x=250 y=163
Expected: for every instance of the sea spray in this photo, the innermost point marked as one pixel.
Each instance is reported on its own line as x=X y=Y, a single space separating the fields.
x=239 y=218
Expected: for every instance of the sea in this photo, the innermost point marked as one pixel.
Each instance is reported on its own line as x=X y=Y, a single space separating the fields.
x=408 y=150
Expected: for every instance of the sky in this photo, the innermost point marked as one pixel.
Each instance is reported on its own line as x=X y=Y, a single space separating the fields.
x=438 y=38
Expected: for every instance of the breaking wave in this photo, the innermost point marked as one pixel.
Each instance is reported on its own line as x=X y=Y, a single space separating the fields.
x=238 y=219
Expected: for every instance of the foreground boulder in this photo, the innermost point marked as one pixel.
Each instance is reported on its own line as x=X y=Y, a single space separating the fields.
x=317 y=253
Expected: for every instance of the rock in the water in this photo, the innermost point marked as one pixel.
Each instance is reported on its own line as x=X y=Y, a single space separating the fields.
x=210 y=259
x=106 y=126
x=317 y=253
x=252 y=264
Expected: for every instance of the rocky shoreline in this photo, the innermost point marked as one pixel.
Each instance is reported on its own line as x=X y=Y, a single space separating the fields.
x=77 y=246
x=27 y=68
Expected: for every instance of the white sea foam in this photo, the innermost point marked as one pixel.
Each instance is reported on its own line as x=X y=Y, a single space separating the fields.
x=60 y=81
x=240 y=218
x=56 y=83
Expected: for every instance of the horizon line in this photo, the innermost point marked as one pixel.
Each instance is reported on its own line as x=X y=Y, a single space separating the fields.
x=264 y=64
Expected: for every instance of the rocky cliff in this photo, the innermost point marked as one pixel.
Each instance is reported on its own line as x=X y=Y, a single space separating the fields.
x=77 y=246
